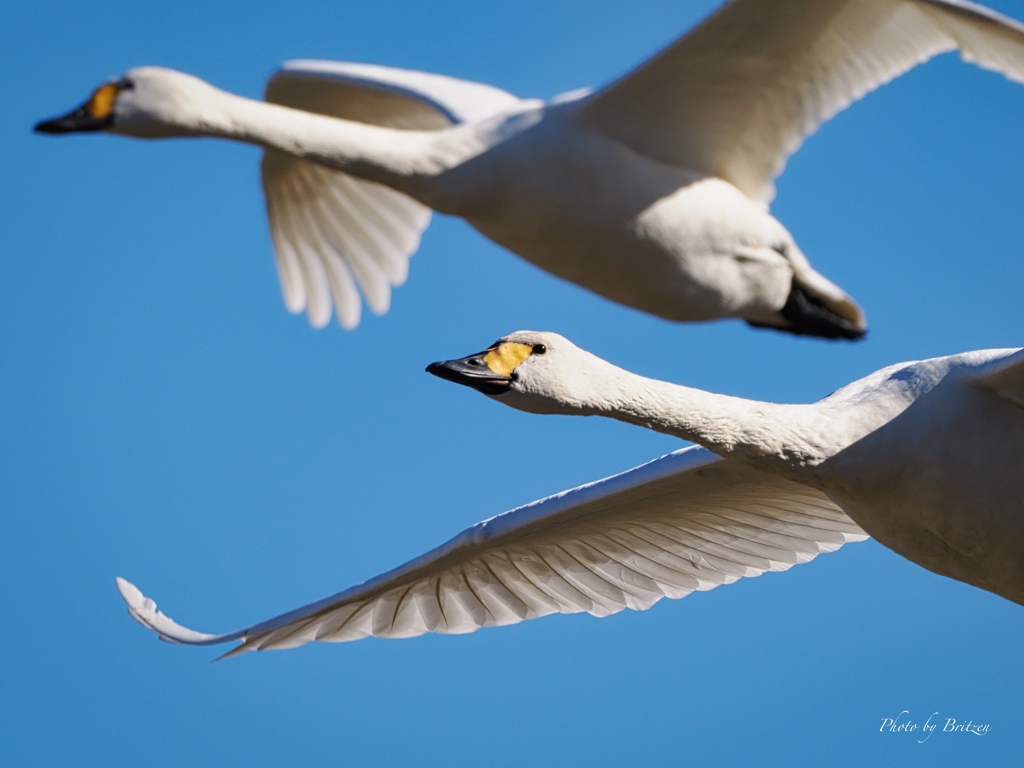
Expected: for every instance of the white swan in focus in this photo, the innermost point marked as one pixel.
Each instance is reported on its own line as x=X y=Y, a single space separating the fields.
x=686 y=521
x=927 y=457
x=652 y=191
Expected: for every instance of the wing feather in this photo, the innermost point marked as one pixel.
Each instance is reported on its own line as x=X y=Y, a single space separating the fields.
x=737 y=95
x=288 y=267
x=331 y=238
x=685 y=522
x=355 y=228
x=1004 y=375
x=301 y=241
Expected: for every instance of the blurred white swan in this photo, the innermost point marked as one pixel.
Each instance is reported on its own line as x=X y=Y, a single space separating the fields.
x=652 y=191
x=927 y=457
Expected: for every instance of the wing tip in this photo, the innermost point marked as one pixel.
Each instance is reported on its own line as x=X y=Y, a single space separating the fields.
x=295 y=304
x=318 y=320
x=144 y=610
x=131 y=594
x=348 y=320
x=320 y=317
x=141 y=608
x=238 y=650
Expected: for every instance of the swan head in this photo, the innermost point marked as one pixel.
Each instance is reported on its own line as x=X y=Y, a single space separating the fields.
x=146 y=102
x=533 y=371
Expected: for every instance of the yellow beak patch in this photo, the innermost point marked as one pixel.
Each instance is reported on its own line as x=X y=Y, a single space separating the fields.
x=102 y=102
x=506 y=357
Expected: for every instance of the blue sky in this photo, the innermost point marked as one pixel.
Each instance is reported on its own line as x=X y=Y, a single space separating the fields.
x=163 y=418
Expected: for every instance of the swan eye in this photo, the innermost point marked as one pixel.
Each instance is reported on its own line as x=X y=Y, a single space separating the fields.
x=539 y=349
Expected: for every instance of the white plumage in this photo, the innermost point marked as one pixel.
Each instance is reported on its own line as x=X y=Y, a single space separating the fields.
x=687 y=521
x=925 y=456
x=333 y=231
x=652 y=191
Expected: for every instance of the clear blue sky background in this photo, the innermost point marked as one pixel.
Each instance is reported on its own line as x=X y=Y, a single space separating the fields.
x=162 y=417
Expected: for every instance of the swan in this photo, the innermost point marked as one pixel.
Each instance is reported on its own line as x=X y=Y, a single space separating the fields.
x=683 y=522
x=927 y=457
x=652 y=191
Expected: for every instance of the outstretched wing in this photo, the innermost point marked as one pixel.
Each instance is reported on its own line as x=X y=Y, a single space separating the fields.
x=737 y=96
x=1004 y=375
x=686 y=521
x=335 y=235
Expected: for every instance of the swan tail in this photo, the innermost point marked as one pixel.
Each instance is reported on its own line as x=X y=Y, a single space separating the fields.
x=808 y=314
x=815 y=306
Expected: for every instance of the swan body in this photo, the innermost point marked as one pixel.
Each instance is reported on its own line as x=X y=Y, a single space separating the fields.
x=925 y=456
x=652 y=191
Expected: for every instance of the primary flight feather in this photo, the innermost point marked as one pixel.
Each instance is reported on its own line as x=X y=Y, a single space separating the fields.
x=684 y=522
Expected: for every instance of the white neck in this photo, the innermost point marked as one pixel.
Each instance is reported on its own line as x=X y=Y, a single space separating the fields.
x=397 y=158
x=757 y=432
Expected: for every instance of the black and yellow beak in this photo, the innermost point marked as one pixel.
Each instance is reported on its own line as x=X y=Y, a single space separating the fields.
x=97 y=114
x=491 y=371
x=473 y=372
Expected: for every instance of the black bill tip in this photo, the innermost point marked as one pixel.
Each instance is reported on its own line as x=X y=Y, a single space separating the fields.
x=471 y=372
x=50 y=127
x=78 y=121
